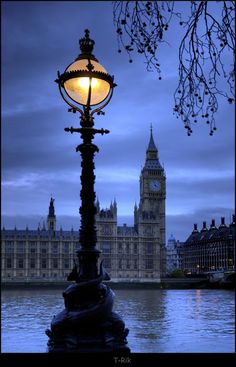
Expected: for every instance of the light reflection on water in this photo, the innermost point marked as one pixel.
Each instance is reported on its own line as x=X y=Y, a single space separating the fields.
x=159 y=320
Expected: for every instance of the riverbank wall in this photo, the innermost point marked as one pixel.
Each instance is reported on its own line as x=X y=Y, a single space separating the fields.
x=166 y=283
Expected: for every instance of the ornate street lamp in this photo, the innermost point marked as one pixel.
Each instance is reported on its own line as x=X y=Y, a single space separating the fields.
x=87 y=324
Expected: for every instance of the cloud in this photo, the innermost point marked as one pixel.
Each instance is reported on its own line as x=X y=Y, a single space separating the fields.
x=181 y=225
x=39 y=158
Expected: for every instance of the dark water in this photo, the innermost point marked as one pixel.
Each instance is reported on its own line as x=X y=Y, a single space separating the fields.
x=159 y=320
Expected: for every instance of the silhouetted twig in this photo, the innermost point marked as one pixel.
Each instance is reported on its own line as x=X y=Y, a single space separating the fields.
x=206 y=51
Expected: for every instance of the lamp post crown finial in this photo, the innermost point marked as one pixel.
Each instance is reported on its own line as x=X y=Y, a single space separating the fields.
x=86 y=44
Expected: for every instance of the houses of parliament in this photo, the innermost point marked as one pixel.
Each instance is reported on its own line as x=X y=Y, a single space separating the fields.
x=134 y=254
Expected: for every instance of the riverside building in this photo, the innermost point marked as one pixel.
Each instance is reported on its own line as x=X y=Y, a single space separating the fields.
x=210 y=249
x=173 y=255
x=135 y=254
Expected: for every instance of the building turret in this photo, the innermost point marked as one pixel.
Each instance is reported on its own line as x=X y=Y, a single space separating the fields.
x=171 y=241
x=97 y=206
x=222 y=225
x=213 y=226
x=135 y=216
x=113 y=209
x=204 y=227
x=115 y=206
x=195 y=230
x=233 y=220
x=51 y=216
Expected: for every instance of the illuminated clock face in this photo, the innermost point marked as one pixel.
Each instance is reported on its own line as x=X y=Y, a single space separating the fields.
x=154 y=185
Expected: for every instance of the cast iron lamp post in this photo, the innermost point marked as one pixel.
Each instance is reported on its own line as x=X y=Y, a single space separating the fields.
x=87 y=324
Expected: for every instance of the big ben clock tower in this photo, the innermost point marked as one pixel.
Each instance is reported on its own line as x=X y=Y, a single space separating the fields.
x=150 y=215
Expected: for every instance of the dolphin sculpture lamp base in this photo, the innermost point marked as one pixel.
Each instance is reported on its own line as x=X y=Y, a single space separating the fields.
x=88 y=324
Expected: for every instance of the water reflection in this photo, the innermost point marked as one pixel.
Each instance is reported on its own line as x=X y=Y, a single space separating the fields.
x=144 y=314
x=158 y=320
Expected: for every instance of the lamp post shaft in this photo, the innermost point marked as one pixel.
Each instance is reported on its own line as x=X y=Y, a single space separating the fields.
x=88 y=254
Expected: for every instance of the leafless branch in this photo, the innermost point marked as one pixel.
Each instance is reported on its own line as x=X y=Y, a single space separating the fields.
x=206 y=52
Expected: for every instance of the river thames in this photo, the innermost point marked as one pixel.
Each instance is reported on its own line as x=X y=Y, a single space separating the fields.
x=159 y=321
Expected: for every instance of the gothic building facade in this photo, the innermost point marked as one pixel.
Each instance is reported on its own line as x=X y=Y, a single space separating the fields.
x=134 y=253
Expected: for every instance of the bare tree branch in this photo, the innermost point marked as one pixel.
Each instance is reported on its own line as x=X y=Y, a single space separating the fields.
x=206 y=51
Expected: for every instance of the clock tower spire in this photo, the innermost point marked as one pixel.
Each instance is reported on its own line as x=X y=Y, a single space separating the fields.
x=151 y=152
x=152 y=160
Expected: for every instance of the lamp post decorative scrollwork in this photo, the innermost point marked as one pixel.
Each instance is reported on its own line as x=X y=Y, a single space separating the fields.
x=87 y=324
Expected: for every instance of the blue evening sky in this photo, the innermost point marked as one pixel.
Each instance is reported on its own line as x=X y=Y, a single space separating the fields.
x=38 y=157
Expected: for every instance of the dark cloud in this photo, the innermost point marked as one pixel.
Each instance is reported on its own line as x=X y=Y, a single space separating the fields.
x=182 y=225
x=39 y=158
